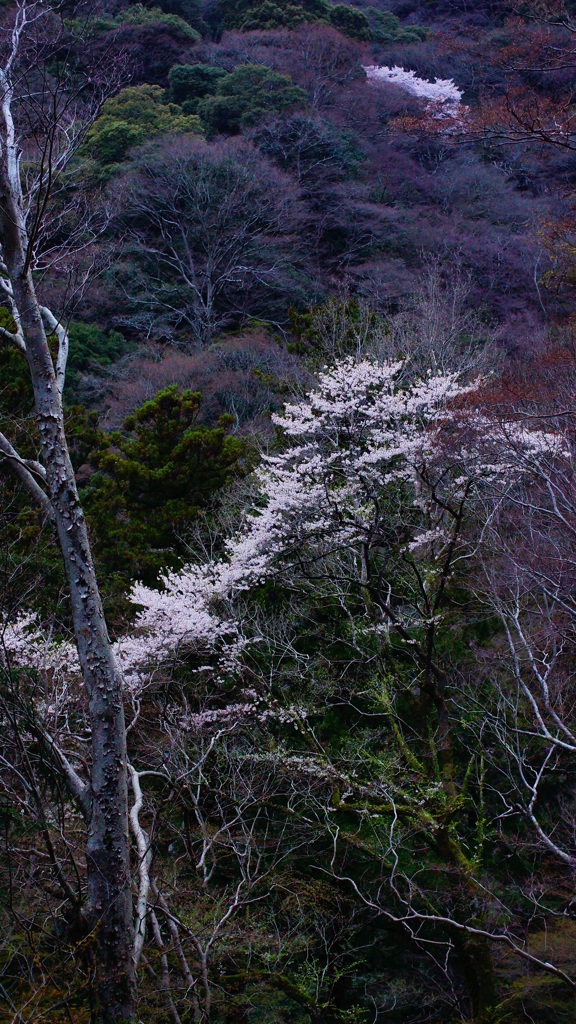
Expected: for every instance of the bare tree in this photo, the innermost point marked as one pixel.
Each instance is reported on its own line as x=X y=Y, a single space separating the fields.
x=322 y=62
x=102 y=797
x=439 y=329
x=209 y=226
x=529 y=580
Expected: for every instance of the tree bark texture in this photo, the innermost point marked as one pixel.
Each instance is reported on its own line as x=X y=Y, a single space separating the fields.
x=109 y=901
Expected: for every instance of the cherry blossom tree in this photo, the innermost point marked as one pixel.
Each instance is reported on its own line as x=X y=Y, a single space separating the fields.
x=366 y=507
x=360 y=495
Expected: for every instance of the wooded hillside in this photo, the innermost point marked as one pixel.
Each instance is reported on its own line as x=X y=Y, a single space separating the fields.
x=287 y=512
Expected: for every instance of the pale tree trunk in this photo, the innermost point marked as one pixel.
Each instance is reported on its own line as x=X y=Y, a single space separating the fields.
x=104 y=800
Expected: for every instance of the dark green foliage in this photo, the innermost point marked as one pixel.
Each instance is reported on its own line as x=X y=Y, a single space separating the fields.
x=178 y=23
x=141 y=487
x=149 y=481
x=189 y=83
x=91 y=347
x=135 y=115
x=385 y=27
x=229 y=102
x=269 y=15
x=272 y=14
x=248 y=15
x=140 y=15
x=351 y=21
x=189 y=11
x=246 y=95
x=15 y=389
x=30 y=563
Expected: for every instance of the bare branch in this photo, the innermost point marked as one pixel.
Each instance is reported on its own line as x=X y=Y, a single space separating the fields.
x=79 y=789
x=417 y=918
x=55 y=327
x=24 y=469
x=144 y=862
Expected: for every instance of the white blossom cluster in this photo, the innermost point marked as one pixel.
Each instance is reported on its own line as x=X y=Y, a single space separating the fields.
x=24 y=643
x=364 y=429
x=256 y=707
x=359 y=430
x=172 y=622
x=176 y=620
x=505 y=451
x=443 y=95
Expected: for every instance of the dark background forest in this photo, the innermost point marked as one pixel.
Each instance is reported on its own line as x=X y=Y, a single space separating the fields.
x=243 y=208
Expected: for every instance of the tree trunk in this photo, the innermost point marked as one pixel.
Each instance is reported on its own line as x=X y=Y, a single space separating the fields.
x=109 y=905
x=476 y=963
x=473 y=952
x=109 y=909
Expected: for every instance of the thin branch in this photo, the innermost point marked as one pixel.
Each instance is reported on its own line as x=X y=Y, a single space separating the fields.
x=420 y=918
x=24 y=470
x=12 y=338
x=144 y=862
x=79 y=789
x=55 y=327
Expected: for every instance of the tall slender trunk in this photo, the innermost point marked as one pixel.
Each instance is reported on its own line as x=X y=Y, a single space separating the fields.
x=109 y=909
x=473 y=951
x=109 y=904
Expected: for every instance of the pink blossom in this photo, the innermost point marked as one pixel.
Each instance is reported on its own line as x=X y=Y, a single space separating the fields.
x=443 y=95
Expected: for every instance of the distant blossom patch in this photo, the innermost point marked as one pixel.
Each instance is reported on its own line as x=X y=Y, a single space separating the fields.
x=443 y=95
